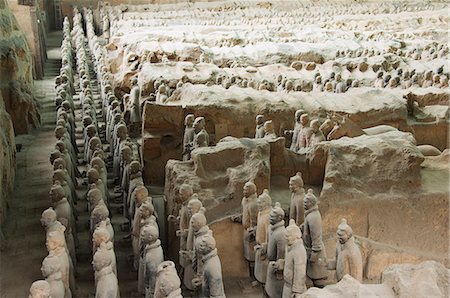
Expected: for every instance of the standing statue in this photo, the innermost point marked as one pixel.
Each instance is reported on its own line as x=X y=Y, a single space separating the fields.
x=135 y=109
x=212 y=284
x=348 y=256
x=316 y=134
x=107 y=285
x=264 y=203
x=51 y=271
x=296 y=211
x=194 y=206
x=304 y=133
x=101 y=239
x=294 y=272
x=259 y=131
x=297 y=128
x=269 y=130
x=167 y=281
x=151 y=256
x=201 y=138
x=198 y=224
x=275 y=252
x=249 y=220
x=188 y=137
x=64 y=212
x=51 y=224
x=316 y=268
x=55 y=248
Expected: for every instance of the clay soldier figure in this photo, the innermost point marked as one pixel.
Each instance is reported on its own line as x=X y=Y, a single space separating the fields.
x=40 y=289
x=294 y=270
x=297 y=128
x=151 y=256
x=64 y=212
x=249 y=220
x=305 y=133
x=183 y=218
x=259 y=131
x=264 y=203
x=141 y=196
x=48 y=220
x=121 y=134
x=348 y=256
x=98 y=164
x=51 y=271
x=198 y=224
x=135 y=179
x=106 y=280
x=317 y=135
x=269 y=130
x=101 y=239
x=188 y=136
x=167 y=281
x=93 y=177
x=296 y=211
x=146 y=218
x=340 y=85
x=98 y=214
x=318 y=86
x=55 y=247
x=94 y=196
x=316 y=268
x=194 y=206
x=275 y=252
x=201 y=138
x=105 y=28
x=135 y=111
x=212 y=284
x=90 y=131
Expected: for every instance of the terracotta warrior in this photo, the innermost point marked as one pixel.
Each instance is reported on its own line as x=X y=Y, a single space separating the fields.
x=106 y=281
x=305 y=132
x=188 y=137
x=259 y=131
x=135 y=113
x=201 y=138
x=93 y=177
x=296 y=211
x=194 y=206
x=212 y=284
x=317 y=135
x=348 y=256
x=294 y=267
x=101 y=239
x=200 y=228
x=151 y=256
x=167 y=281
x=182 y=219
x=51 y=224
x=135 y=179
x=297 y=128
x=51 y=271
x=275 y=252
x=94 y=196
x=264 y=203
x=64 y=212
x=316 y=268
x=249 y=221
x=55 y=247
x=146 y=218
x=269 y=130
x=40 y=289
